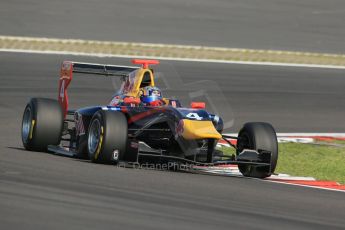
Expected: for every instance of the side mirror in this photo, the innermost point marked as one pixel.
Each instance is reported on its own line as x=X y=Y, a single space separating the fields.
x=198 y=105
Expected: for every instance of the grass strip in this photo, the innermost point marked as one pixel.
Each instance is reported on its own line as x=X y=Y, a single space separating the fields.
x=323 y=161
x=169 y=51
x=319 y=161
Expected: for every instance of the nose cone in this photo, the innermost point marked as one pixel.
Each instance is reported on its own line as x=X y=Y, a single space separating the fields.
x=194 y=130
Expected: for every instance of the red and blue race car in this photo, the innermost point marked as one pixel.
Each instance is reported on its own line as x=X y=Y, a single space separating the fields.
x=139 y=125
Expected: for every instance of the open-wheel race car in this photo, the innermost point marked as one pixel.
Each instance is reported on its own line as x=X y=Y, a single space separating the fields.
x=139 y=125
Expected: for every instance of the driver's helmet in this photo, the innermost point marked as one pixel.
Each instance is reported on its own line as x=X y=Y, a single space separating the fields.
x=150 y=94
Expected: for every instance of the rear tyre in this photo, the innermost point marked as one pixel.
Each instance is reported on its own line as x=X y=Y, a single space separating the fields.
x=42 y=124
x=107 y=137
x=258 y=136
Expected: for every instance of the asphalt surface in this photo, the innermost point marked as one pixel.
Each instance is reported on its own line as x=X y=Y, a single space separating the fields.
x=307 y=25
x=292 y=99
x=44 y=191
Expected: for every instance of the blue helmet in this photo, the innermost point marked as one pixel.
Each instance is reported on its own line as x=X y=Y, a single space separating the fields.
x=149 y=94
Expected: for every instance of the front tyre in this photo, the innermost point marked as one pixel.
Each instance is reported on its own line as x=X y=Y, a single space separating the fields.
x=42 y=124
x=107 y=137
x=258 y=136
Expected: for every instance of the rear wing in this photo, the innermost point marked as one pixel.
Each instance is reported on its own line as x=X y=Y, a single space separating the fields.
x=68 y=68
x=106 y=70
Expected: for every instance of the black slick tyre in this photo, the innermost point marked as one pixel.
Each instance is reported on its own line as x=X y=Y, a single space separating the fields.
x=42 y=124
x=258 y=136
x=107 y=137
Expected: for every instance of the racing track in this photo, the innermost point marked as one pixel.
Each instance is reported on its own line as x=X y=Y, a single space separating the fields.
x=43 y=191
x=308 y=25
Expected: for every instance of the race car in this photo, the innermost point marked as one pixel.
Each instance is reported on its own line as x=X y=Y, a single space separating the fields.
x=138 y=125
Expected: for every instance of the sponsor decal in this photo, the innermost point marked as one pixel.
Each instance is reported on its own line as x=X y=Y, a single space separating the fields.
x=116 y=100
x=111 y=108
x=179 y=128
x=134 y=144
x=66 y=66
x=66 y=70
x=62 y=90
x=79 y=124
x=115 y=155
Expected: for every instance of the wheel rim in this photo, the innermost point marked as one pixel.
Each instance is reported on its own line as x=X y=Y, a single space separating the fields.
x=94 y=136
x=26 y=125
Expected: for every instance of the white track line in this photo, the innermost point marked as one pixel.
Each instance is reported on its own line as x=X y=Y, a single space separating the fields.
x=311 y=134
x=103 y=55
x=302 y=134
